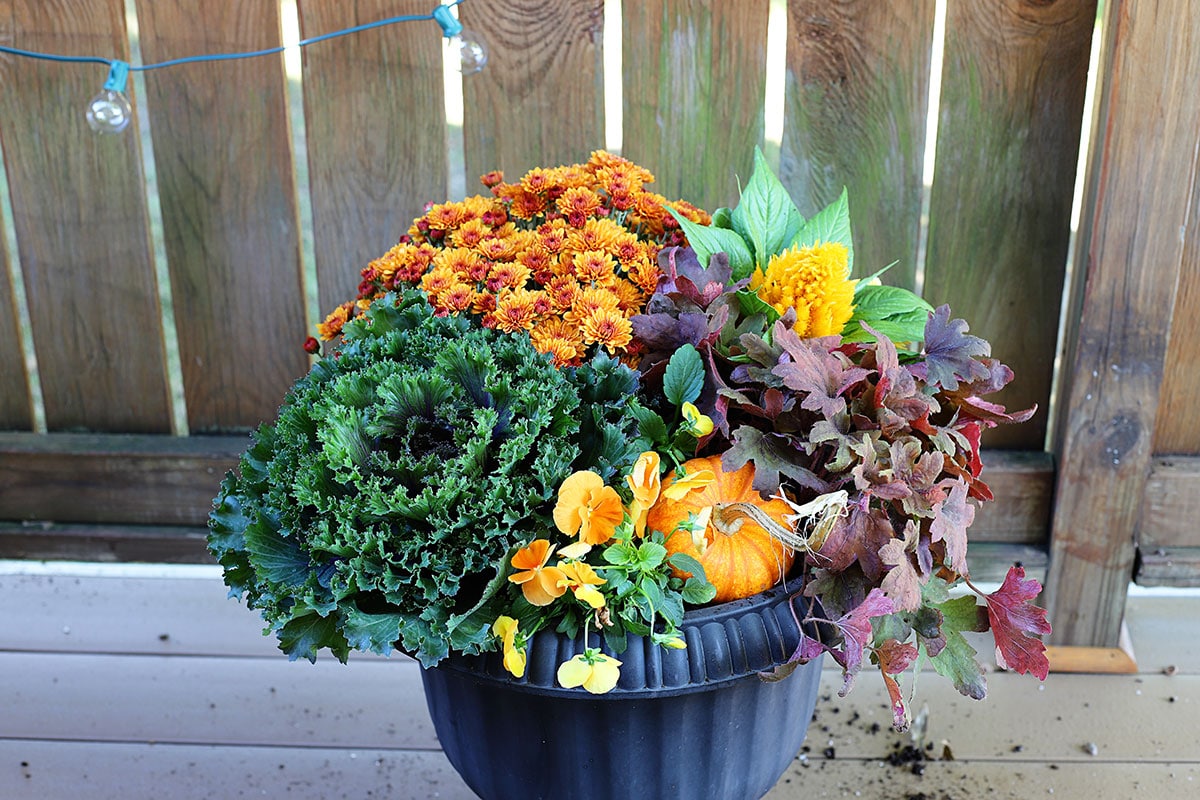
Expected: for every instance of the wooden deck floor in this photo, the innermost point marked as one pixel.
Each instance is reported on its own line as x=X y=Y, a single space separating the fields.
x=139 y=686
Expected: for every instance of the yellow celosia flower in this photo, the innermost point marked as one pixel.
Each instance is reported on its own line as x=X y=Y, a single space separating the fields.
x=582 y=580
x=505 y=628
x=645 y=483
x=699 y=425
x=813 y=280
x=591 y=669
x=588 y=508
x=539 y=583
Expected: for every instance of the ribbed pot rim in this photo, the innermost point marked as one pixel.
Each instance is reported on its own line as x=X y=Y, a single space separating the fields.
x=728 y=642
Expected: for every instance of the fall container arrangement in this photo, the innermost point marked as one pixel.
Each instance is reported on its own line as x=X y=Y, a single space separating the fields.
x=618 y=473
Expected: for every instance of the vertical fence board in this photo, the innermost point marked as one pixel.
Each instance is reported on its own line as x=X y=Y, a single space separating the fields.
x=15 y=412
x=1139 y=196
x=1177 y=430
x=1008 y=143
x=855 y=116
x=694 y=76
x=376 y=133
x=80 y=218
x=223 y=152
x=539 y=101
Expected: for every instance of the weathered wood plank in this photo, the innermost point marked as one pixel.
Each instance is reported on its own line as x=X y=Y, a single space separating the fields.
x=369 y=176
x=855 y=116
x=15 y=410
x=113 y=543
x=215 y=700
x=1008 y=140
x=1023 y=484
x=1177 y=426
x=540 y=100
x=1159 y=565
x=230 y=227
x=1171 y=504
x=694 y=77
x=160 y=480
x=80 y=217
x=37 y=770
x=1130 y=251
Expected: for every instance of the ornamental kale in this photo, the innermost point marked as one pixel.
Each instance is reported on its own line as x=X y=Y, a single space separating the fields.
x=401 y=471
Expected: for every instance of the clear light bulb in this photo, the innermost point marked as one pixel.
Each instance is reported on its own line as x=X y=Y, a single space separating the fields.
x=471 y=51
x=109 y=112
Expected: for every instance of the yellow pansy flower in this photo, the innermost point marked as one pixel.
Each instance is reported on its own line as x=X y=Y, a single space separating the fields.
x=645 y=483
x=591 y=669
x=505 y=628
x=588 y=508
x=538 y=582
x=699 y=425
x=581 y=579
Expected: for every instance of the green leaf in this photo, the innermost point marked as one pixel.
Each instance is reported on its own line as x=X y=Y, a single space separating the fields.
x=650 y=424
x=684 y=378
x=957 y=662
x=863 y=283
x=830 y=224
x=275 y=559
x=707 y=240
x=375 y=632
x=723 y=218
x=697 y=592
x=303 y=636
x=897 y=313
x=751 y=304
x=650 y=555
x=765 y=214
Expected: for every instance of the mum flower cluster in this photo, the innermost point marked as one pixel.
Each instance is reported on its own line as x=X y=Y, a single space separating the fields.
x=574 y=408
x=567 y=255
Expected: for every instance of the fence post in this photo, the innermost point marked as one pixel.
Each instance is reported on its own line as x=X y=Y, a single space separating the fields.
x=1137 y=202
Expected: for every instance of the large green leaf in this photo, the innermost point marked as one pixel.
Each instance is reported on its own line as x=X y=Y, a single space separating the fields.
x=375 y=632
x=830 y=224
x=684 y=378
x=765 y=214
x=303 y=636
x=275 y=559
x=897 y=313
x=707 y=240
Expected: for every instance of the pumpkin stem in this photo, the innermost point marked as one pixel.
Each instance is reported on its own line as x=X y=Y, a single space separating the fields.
x=809 y=526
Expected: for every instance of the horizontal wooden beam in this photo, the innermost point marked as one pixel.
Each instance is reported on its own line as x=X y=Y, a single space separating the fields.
x=170 y=481
x=98 y=478
x=157 y=544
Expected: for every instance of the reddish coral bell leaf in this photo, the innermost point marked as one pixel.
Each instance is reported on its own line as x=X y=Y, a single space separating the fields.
x=822 y=376
x=950 y=352
x=902 y=583
x=856 y=634
x=898 y=402
x=895 y=657
x=1016 y=623
x=953 y=516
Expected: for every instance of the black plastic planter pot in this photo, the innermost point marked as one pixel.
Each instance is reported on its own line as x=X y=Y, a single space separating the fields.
x=693 y=723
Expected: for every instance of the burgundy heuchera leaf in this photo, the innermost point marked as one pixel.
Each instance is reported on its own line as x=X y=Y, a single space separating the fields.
x=1016 y=622
x=954 y=516
x=856 y=631
x=894 y=658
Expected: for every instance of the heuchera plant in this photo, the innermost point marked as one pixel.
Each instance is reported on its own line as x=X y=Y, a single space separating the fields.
x=529 y=379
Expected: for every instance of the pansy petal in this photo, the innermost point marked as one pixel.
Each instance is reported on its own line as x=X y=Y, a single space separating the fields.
x=590 y=596
x=576 y=550
x=604 y=675
x=574 y=672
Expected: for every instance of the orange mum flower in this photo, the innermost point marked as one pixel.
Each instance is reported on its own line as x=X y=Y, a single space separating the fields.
x=445 y=216
x=588 y=508
x=508 y=274
x=539 y=179
x=496 y=249
x=645 y=274
x=458 y=298
x=562 y=291
x=578 y=200
x=438 y=280
x=607 y=327
x=594 y=266
x=333 y=323
x=539 y=583
x=470 y=234
x=553 y=235
x=514 y=310
x=596 y=234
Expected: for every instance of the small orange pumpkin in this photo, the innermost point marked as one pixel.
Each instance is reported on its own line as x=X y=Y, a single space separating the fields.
x=740 y=558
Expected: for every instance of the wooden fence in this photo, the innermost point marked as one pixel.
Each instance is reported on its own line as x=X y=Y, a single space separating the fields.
x=108 y=480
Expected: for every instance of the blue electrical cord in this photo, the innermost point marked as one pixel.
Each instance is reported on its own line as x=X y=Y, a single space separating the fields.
x=118 y=69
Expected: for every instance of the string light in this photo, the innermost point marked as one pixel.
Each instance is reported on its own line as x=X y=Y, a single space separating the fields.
x=110 y=110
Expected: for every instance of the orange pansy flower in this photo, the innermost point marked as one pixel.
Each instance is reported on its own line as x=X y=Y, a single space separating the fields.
x=588 y=508
x=539 y=583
